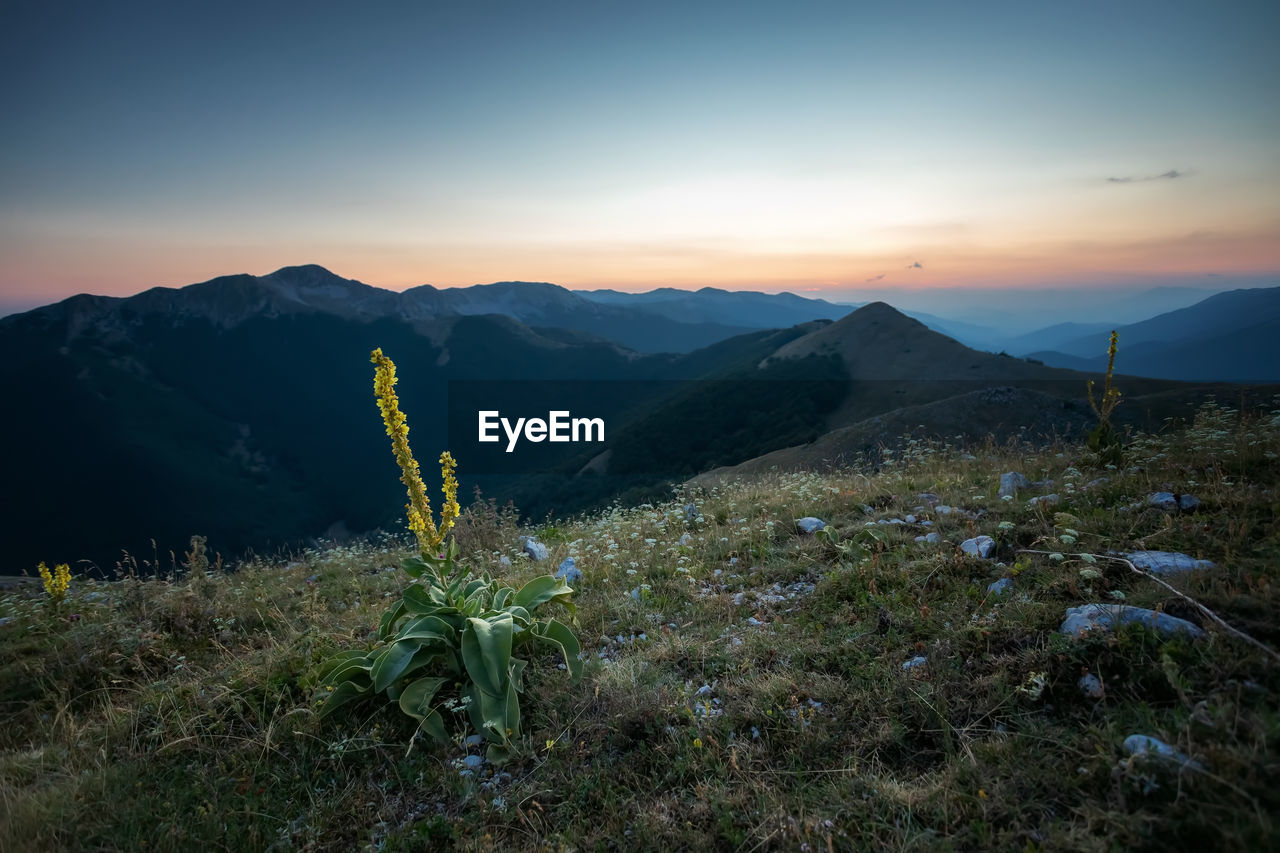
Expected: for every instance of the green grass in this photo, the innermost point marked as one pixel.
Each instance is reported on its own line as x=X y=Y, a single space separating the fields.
x=179 y=715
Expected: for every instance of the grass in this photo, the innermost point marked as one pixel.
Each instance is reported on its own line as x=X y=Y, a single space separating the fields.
x=745 y=687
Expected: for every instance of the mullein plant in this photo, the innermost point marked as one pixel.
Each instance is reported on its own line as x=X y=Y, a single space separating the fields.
x=450 y=642
x=1104 y=439
x=56 y=583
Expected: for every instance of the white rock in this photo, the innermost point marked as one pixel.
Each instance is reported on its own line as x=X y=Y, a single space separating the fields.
x=918 y=660
x=1000 y=587
x=1146 y=745
x=535 y=550
x=1103 y=618
x=809 y=524
x=569 y=571
x=1011 y=482
x=979 y=546
x=1091 y=686
x=1166 y=562
x=931 y=538
x=1163 y=500
x=1046 y=500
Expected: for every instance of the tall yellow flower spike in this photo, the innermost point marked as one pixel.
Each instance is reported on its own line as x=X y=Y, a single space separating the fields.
x=56 y=582
x=419 y=507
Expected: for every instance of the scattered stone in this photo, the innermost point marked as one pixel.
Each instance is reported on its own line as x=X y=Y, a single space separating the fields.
x=569 y=571
x=1188 y=503
x=931 y=538
x=704 y=690
x=1045 y=500
x=475 y=740
x=95 y=597
x=1166 y=562
x=1000 y=587
x=929 y=498
x=535 y=550
x=911 y=519
x=1091 y=686
x=472 y=762
x=809 y=524
x=942 y=509
x=918 y=660
x=1093 y=484
x=6 y=620
x=1146 y=745
x=1011 y=482
x=979 y=546
x=1163 y=500
x=690 y=512
x=1107 y=617
x=684 y=540
x=505 y=561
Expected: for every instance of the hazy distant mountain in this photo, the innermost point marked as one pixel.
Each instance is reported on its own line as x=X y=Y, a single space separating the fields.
x=1230 y=336
x=746 y=309
x=241 y=408
x=1053 y=337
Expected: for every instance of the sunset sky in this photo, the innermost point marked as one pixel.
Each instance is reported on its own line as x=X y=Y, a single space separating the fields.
x=814 y=147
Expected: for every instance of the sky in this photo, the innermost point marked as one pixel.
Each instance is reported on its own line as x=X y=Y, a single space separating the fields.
x=821 y=148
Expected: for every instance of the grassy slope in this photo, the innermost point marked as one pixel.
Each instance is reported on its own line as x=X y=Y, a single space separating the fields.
x=177 y=715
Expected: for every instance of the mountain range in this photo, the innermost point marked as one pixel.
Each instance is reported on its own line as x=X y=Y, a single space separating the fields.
x=241 y=408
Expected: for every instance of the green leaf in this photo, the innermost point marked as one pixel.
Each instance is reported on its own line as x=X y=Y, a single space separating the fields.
x=433 y=724
x=521 y=616
x=414 y=566
x=488 y=714
x=387 y=624
x=420 y=601
x=348 y=669
x=428 y=628
x=331 y=664
x=345 y=692
x=416 y=698
x=541 y=590
x=559 y=635
x=516 y=673
x=392 y=663
x=501 y=596
x=486 y=651
x=477 y=584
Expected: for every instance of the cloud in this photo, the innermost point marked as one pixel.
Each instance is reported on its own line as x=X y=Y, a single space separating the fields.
x=916 y=266
x=875 y=278
x=1163 y=176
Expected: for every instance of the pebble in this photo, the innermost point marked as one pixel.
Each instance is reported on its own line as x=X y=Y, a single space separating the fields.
x=932 y=538
x=1091 y=686
x=535 y=550
x=1011 y=482
x=918 y=660
x=1000 y=587
x=979 y=546
x=809 y=524
x=1149 y=746
x=1045 y=500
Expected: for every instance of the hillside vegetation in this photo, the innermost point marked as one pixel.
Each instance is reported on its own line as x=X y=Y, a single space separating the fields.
x=748 y=686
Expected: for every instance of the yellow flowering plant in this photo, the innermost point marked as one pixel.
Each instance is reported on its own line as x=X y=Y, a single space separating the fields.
x=1103 y=439
x=57 y=582
x=450 y=640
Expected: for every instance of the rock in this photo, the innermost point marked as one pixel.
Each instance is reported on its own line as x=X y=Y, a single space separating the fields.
x=911 y=519
x=95 y=597
x=569 y=571
x=535 y=550
x=942 y=509
x=1151 y=747
x=918 y=660
x=1166 y=562
x=809 y=524
x=1011 y=482
x=6 y=620
x=1163 y=500
x=472 y=762
x=505 y=560
x=979 y=546
x=929 y=498
x=1188 y=503
x=1000 y=587
x=931 y=538
x=1090 y=686
x=1094 y=484
x=690 y=512
x=1045 y=500
x=1103 y=618
x=475 y=740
